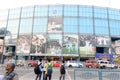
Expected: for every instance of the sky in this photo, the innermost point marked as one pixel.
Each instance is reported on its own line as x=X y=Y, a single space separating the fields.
x=6 y=4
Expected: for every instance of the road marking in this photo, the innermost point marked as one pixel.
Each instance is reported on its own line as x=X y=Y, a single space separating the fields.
x=68 y=75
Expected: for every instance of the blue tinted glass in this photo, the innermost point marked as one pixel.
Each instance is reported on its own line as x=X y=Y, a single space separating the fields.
x=114 y=14
x=100 y=12
x=86 y=25
x=40 y=25
x=70 y=11
x=41 y=11
x=101 y=27
x=27 y=12
x=85 y=11
x=71 y=25
x=114 y=28
x=14 y=13
x=26 y=25
x=55 y=10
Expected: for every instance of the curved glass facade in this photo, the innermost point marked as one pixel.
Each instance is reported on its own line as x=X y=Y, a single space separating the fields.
x=59 y=30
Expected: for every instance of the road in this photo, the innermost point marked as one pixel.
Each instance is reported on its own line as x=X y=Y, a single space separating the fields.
x=28 y=73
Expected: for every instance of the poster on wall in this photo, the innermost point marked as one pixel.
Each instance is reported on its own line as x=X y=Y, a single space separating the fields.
x=87 y=51
x=115 y=46
x=12 y=39
x=38 y=44
x=87 y=40
x=102 y=41
x=54 y=44
x=87 y=45
x=55 y=25
x=23 y=44
x=70 y=44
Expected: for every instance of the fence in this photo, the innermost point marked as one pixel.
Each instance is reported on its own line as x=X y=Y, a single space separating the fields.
x=96 y=74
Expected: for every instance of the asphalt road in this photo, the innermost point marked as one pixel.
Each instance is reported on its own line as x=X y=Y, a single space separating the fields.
x=28 y=73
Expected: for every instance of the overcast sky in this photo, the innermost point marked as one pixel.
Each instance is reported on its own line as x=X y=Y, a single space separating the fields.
x=5 y=4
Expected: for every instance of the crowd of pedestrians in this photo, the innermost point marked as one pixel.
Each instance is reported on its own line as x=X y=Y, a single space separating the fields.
x=46 y=70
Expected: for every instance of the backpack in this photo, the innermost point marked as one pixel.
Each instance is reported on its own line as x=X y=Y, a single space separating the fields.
x=37 y=69
x=62 y=69
x=49 y=69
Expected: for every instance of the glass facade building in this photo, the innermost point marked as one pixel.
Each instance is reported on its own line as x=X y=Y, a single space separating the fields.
x=59 y=31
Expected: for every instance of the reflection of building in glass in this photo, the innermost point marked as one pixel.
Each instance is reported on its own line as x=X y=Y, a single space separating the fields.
x=60 y=31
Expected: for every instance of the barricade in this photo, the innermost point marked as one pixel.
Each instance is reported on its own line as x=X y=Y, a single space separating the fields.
x=91 y=74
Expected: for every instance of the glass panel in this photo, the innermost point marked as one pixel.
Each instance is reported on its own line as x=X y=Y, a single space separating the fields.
x=3 y=27
x=13 y=26
x=70 y=11
x=14 y=13
x=85 y=11
x=40 y=25
x=27 y=12
x=87 y=45
x=55 y=10
x=23 y=44
x=101 y=27
x=26 y=26
x=3 y=14
x=114 y=14
x=114 y=28
x=70 y=44
x=86 y=25
x=38 y=44
x=41 y=11
x=54 y=45
x=71 y=25
x=55 y=25
x=100 y=12
x=10 y=40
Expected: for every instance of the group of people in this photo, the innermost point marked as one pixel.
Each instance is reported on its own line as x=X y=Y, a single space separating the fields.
x=46 y=70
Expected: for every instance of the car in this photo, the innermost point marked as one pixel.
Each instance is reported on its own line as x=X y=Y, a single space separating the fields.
x=74 y=64
x=20 y=63
x=56 y=63
x=32 y=63
x=103 y=64
x=91 y=64
x=17 y=62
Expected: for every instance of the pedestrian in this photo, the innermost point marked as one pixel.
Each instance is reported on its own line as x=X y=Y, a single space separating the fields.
x=44 y=69
x=62 y=71
x=10 y=73
x=49 y=70
x=40 y=68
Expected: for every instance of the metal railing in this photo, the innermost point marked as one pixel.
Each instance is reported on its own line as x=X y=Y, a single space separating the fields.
x=96 y=74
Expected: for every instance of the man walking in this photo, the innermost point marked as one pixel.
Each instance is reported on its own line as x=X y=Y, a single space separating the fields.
x=62 y=71
x=49 y=70
x=10 y=73
x=40 y=68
